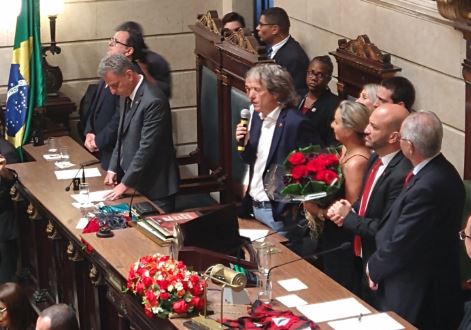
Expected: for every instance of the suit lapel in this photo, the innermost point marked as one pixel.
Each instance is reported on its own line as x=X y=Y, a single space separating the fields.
x=280 y=124
x=134 y=106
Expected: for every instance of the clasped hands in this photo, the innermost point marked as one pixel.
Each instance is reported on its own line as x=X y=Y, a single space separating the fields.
x=338 y=211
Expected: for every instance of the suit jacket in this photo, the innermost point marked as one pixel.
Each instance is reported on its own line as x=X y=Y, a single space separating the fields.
x=416 y=261
x=385 y=191
x=321 y=115
x=293 y=57
x=8 y=225
x=147 y=151
x=160 y=70
x=103 y=121
x=292 y=131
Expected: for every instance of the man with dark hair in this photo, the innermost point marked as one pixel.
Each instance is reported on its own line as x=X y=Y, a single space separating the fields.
x=273 y=30
x=416 y=264
x=144 y=156
x=397 y=90
x=233 y=21
x=101 y=126
x=57 y=317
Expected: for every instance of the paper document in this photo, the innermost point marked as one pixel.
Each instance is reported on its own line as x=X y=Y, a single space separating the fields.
x=52 y=156
x=93 y=197
x=333 y=310
x=83 y=222
x=257 y=235
x=292 y=284
x=70 y=174
x=64 y=165
x=369 y=322
x=291 y=300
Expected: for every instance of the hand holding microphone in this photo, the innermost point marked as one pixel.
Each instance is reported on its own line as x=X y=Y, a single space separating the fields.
x=241 y=130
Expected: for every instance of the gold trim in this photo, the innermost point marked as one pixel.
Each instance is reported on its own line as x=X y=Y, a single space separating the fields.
x=51 y=231
x=95 y=276
x=73 y=254
x=15 y=194
x=211 y=21
x=32 y=212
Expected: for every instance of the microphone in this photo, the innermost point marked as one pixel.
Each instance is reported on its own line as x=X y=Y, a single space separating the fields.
x=244 y=121
x=81 y=168
x=315 y=256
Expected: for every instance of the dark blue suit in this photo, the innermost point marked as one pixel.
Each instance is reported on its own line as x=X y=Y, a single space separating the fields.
x=416 y=262
x=292 y=131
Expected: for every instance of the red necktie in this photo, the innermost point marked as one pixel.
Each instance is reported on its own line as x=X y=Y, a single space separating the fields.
x=409 y=177
x=364 y=201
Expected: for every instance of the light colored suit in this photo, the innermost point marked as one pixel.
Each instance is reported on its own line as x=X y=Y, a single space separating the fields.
x=147 y=151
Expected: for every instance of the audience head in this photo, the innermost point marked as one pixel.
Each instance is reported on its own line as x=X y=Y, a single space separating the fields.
x=397 y=90
x=129 y=41
x=318 y=74
x=465 y=235
x=368 y=96
x=15 y=310
x=273 y=25
x=382 y=133
x=118 y=73
x=269 y=85
x=233 y=21
x=57 y=317
x=421 y=136
x=350 y=121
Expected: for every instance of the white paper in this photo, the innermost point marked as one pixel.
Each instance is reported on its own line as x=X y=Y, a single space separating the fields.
x=64 y=164
x=52 y=156
x=70 y=174
x=333 y=310
x=83 y=222
x=93 y=197
x=291 y=300
x=370 y=322
x=292 y=284
x=257 y=235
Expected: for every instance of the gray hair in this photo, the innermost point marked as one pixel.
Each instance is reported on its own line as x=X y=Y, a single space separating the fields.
x=277 y=81
x=116 y=63
x=425 y=131
x=371 y=90
x=354 y=115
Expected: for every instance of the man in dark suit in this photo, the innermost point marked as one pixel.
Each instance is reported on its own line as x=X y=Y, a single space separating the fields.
x=273 y=30
x=276 y=129
x=415 y=267
x=397 y=90
x=102 y=123
x=144 y=156
x=8 y=225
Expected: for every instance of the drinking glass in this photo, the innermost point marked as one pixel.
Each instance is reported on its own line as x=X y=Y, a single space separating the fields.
x=52 y=145
x=84 y=192
x=264 y=262
x=64 y=152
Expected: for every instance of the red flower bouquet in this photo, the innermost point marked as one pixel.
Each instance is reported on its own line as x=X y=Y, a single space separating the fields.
x=312 y=170
x=166 y=286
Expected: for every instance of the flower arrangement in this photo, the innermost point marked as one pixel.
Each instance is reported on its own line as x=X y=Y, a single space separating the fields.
x=312 y=170
x=166 y=286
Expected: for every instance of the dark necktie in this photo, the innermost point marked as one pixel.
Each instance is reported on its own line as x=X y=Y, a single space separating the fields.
x=269 y=51
x=120 y=171
x=364 y=202
x=409 y=177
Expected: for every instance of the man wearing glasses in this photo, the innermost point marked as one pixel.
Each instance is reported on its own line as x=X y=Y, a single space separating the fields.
x=273 y=30
x=416 y=264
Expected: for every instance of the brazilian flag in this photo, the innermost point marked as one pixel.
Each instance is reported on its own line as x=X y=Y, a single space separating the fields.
x=26 y=89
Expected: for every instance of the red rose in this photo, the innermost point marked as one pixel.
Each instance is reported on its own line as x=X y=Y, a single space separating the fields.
x=148 y=313
x=326 y=176
x=163 y=284
x=196 y=290
x=164 y=295
x=314 y=165
x=298 y=172
x=151 y=298
x=297 y=158
x=147 y=281
x=140 y=288
x=180 y=307
x=198 y=303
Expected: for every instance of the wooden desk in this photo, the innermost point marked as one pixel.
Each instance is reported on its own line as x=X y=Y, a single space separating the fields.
x=57 y=269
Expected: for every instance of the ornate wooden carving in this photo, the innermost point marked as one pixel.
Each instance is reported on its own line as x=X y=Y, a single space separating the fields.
x=211 y=21
x=243 y=38
x=73 y=254
x=456 y=10
x=15 y=194
x=32 y=212
x=95 y=276
x=52 y=232
x=362 y=47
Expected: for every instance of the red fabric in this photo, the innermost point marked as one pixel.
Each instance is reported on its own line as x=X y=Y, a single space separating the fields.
x=409 y=177
x=305 y=110
x=364 y=202
x=91 y=227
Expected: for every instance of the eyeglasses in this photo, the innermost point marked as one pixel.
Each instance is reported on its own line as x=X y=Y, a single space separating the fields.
x=318 y=75
x=3 y=310
x=462 y=235
x=114 y=41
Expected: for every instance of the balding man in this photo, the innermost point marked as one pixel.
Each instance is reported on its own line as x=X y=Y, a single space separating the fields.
x=57 y=317
x=415 y=267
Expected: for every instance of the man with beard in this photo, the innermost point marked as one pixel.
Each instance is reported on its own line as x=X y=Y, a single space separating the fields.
x=319 y=104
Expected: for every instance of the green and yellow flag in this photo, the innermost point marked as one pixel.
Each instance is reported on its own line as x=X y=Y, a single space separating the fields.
x=26 y=89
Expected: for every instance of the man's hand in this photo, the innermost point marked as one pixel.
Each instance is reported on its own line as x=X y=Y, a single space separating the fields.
x=117 y=192
x=241 y=133
x=338 y=211
x=373 y=286
x=111 y=179
x=90 y=142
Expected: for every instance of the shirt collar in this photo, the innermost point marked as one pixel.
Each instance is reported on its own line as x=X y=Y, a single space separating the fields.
x=139 y=83
x=272 y=116
x=276 y=47
x=422 y=164
x=386 y=159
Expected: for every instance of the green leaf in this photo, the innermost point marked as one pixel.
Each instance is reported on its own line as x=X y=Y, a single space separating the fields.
x=313 y=187
x=292 y=189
